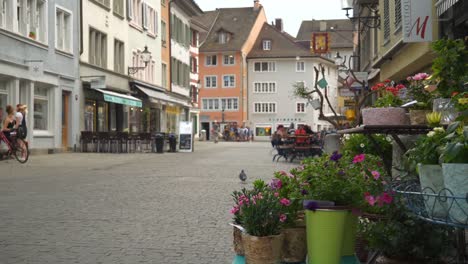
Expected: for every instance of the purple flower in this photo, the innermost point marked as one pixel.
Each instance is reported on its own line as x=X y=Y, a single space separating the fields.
x=304 y=192
x=276 y=184
x=336 y=156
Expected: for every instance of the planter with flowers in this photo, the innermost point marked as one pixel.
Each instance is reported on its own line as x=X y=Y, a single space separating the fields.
x=352 y=183
x=262 y=215
x=290 y=189
x=386 y=110
x=32 y=35
x=416 y=91
x=237 y=224
x=424 y=158
x=454 y=160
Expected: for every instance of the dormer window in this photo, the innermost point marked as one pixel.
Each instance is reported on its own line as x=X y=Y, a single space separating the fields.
x=266 y=44
x=223 y=37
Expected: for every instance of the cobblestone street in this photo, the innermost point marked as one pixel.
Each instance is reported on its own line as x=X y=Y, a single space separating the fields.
x=133 y=208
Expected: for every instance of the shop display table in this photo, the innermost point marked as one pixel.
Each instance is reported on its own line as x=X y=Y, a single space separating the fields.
x=344 y=260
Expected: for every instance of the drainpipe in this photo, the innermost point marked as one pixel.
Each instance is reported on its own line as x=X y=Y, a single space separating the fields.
x=81 y=27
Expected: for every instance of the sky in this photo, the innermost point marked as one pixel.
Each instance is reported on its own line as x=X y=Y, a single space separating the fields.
x=293 y=12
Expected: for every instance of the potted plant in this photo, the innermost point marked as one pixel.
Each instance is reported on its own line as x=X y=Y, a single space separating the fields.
x=32 y=34
x=262 y=215
x=386 y=110
x=416 y=91
x=454 y=159
x=450 y=73
x=349 y=182
x=424 y=159
x=237 y=223
x=290 y=189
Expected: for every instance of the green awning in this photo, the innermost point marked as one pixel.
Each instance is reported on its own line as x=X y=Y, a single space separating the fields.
x=117 y=98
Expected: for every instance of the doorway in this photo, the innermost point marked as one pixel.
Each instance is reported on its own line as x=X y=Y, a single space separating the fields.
x=65 y=118
x=206 y=126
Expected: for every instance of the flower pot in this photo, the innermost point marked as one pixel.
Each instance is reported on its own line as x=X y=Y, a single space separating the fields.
x=418 y=117
x=456 y=181
x=385 y=116
x=325 y=230
x=349 y=235
x=262 y=250
x=237 y=241
x=432 y=182
x=294 y=245
x=446 y=108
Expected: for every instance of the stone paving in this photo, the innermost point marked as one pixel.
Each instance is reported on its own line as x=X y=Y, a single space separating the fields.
x=126 y=208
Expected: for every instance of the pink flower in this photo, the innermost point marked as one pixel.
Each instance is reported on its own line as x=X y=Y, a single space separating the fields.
x=386 y=198
x=276 y=194
x=409 y=78
x=370 y=199
x=285 y=202
x=376 y=174
x=359 y=158
x=420 y=76
x=276 y=184
x=282 y=218
x=234 y=210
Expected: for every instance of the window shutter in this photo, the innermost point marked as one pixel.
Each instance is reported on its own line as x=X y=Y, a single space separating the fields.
x=172 y=27
x=130 y=9
x=33 y=13
x=156 y=22
x=145 y=15
x=24 y=11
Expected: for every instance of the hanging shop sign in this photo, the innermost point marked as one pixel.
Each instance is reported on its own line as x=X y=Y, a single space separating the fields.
x=417 y=20
x=320 y=43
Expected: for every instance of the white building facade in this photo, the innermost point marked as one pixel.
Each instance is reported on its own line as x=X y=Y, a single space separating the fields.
x=39 y=52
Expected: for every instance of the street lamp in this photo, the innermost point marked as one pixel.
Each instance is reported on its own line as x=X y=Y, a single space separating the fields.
x=145 y=56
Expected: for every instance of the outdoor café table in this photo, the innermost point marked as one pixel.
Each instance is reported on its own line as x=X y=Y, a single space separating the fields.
x=393 y=130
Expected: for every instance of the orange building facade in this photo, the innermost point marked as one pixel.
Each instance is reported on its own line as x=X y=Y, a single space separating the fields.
x=165 y=45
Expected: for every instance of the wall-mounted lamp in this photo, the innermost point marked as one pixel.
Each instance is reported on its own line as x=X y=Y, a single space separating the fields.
x=372 y=21
x=145 y=56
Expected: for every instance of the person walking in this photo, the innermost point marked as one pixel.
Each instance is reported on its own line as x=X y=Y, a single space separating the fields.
x=215 y=131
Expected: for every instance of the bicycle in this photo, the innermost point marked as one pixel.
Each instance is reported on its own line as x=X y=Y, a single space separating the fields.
x=18 y=147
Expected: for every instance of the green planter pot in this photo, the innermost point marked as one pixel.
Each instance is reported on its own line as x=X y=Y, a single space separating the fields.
x=432 y=182
x=456 y=180
x=349 y=235
x=325 y=232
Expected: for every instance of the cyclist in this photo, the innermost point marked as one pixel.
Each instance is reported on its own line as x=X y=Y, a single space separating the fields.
x=9 y=122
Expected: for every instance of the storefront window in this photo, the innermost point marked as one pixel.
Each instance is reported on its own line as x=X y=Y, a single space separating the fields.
x=263 y=130
x=125 y=118
x=3 y=102
x=113 y=117
x=102 y=117
x=135 y=119
x=41 y=105
x=89 y=115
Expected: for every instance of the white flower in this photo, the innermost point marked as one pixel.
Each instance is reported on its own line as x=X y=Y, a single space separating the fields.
x=389 y=139
x=439 y=129
x=430 y=134
x=362 y=145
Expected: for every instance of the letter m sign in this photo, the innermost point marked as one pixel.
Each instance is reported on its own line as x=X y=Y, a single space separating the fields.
x=417 y=20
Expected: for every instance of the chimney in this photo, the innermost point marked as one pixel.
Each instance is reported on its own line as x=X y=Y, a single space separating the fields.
x=323 y=25
x=257 y=5
x=279 y=24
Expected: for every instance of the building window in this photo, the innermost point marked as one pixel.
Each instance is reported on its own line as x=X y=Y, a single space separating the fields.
x=164 y=75
x=228 y=59
x=103 y=2
x=264 y=107
x=97 y=48
x=300 y=107
x=31 y=24
x=63 y=29
x=41 y=108
x=150 y=20
x=3 y=12
x=229 y=81
x=163 y=33
x=300 y=66
x=90 y=116
x=386 y=15
x=397 y=13
x=210 y=81
x=211 y=60
x=194 y=38
x=119 y=56
x=193 y=65
x=267 y=45
x=137 y=12
x=265 y=87
x=265 y=66
x=223 y=37
x=118 y=7
x=263 y=130
x=230 y=104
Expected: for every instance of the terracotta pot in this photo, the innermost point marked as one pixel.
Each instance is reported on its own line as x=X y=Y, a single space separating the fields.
x=418 y=117
x=385 y=116
x=262 y=250
x=294 y=245
x=237 y=241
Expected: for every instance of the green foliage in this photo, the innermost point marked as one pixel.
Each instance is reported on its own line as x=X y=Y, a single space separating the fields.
x=345 y=180
x=402 y=236
x=450 y=66
x=358 y=144
x=427 y=149
x=456 y=147
x=388 y=100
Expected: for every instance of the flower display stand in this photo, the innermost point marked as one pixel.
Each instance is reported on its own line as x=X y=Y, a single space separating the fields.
x=344 y=260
